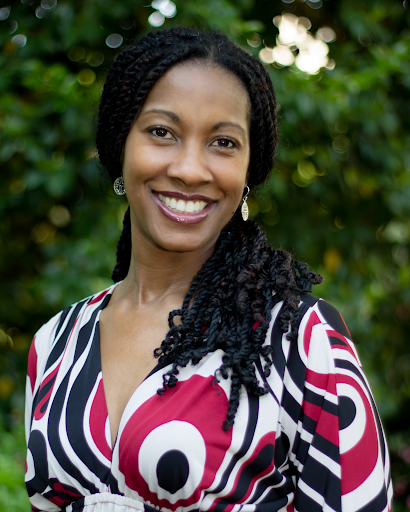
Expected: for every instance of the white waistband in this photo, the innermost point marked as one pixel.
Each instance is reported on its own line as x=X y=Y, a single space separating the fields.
x=107 y=502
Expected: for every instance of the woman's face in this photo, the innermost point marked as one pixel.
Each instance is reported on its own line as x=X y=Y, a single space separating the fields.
x=186 y=158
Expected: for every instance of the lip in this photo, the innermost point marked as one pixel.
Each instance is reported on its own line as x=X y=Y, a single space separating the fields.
x=180 y=218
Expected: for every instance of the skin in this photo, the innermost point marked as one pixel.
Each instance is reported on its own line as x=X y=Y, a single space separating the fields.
x=191 y=139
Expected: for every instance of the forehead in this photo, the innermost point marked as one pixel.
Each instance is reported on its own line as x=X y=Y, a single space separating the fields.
x=204 y=87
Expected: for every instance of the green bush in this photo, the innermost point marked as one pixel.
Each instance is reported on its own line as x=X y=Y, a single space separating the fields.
x=13 y=495
x=339 y=196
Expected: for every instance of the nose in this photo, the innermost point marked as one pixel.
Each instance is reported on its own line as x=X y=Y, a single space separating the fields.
x=190 y=165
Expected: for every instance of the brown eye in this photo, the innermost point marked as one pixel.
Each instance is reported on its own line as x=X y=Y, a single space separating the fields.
x=224 y=143
x=161 y=132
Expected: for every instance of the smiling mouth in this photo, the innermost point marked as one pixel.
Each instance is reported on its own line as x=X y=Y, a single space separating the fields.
x=181 y=206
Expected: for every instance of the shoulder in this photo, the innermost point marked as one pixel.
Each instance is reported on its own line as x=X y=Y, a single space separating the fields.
x=322 y=329
x=323 y=338
x=51 y=329
x=48 y=335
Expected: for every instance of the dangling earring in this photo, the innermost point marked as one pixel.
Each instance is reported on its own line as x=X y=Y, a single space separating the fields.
x=244 y=208
x=119 y=187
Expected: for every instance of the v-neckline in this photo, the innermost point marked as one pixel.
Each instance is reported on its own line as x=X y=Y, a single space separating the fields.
x=157 y=367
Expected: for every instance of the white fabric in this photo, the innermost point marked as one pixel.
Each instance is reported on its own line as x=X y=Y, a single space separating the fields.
x=107 y=502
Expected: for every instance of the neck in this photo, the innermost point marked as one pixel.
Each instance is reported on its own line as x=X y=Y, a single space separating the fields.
x=157 y=276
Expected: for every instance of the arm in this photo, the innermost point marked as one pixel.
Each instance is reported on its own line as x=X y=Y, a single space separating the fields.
x=37 y=359
x=338 y=447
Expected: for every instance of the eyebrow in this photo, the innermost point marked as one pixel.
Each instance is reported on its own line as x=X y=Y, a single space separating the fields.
x=175 y=117
x=222 y=124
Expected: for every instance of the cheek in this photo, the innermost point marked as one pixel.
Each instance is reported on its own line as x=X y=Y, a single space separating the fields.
x=140 y=164
x=234 y=182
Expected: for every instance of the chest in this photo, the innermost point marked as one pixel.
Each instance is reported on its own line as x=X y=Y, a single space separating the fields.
x=127 y=357
x=169 y=448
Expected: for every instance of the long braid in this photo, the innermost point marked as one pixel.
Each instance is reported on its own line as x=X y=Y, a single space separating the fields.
x=123 y=250
x=229 y=303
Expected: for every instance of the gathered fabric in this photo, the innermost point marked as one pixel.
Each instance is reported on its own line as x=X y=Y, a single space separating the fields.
x=105 y=502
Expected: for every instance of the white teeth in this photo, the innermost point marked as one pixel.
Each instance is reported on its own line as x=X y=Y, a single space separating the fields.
x=189 y=207
x=182 y=206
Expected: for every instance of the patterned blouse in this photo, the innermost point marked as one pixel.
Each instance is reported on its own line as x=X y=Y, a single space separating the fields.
x=313 y=443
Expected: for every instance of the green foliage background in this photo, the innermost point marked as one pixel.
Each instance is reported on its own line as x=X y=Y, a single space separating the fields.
x=339 y=196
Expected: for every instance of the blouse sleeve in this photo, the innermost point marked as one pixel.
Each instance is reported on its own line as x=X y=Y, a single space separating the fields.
x=37 y=358
x=337 y=445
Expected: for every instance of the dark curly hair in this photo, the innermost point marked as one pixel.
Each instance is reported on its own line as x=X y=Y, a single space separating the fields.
x=229 y=303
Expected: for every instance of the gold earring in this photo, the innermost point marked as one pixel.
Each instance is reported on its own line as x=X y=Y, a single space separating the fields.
x=244 y=208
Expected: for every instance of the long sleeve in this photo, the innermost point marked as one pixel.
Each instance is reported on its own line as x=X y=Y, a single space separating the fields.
x=37 y=359
x=337 y=447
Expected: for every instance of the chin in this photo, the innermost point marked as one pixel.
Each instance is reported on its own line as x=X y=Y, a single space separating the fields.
x=182 y=244
x=181 y=247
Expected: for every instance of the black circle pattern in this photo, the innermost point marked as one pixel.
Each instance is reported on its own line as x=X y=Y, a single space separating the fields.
x=347 y=412
x=172 y=471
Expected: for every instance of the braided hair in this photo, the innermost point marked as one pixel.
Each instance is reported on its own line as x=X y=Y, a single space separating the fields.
x=228 y=305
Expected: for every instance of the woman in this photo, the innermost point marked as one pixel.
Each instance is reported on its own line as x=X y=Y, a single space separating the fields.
x=207 y=377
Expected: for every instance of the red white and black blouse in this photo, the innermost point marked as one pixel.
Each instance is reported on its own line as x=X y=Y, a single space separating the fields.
x=313 y=443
